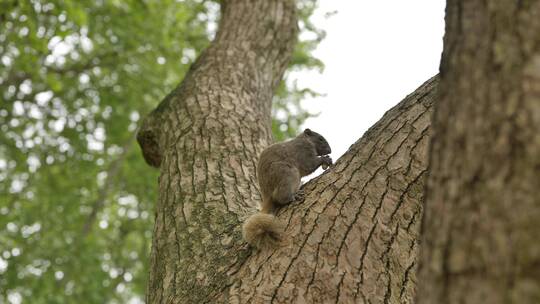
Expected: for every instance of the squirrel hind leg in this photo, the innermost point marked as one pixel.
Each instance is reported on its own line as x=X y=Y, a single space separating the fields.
x=263 y=231
x=286 y=190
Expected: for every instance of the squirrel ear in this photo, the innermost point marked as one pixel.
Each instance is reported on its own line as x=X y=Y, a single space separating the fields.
x=308 y=132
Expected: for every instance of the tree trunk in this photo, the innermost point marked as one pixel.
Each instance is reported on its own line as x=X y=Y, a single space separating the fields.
x=480 y=230
x=205 y=138
x=353 y=239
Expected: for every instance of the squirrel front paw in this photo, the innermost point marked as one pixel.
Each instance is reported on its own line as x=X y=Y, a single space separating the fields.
x=326 y=162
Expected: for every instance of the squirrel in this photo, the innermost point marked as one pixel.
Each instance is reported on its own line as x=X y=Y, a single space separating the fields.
x=280 y=168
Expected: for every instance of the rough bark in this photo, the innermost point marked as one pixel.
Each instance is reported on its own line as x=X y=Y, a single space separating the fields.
x=205 y=138
x=480 y=230
x=353 y=239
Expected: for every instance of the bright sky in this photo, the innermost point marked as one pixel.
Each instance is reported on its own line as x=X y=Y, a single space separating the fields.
x=376 y=52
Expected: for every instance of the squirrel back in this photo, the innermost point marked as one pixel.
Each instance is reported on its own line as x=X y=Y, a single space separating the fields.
x=279 y=170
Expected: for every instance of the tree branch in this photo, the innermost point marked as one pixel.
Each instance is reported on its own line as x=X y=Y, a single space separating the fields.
x=354 y=238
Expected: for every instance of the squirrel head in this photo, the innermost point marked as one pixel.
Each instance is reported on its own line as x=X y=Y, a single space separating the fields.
x=320 y=143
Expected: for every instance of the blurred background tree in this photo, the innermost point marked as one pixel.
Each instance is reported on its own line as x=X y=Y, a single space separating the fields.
x=76 y=197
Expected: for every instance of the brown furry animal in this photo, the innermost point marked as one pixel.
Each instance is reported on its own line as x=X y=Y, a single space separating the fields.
x=279 y=170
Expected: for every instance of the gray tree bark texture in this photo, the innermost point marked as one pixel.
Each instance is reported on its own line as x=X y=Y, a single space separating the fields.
x=481 y=225
x=354 y=237
x=205 y=138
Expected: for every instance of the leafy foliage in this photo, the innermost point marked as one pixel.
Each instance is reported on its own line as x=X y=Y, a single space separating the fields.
x=76 y=198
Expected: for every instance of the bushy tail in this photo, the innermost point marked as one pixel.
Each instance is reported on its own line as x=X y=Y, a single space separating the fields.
x=263 y=230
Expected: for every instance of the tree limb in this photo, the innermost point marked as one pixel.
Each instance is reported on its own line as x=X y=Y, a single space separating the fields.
x=354 y=238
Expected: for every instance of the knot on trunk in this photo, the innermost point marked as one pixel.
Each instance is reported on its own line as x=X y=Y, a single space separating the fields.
x=148 y=139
